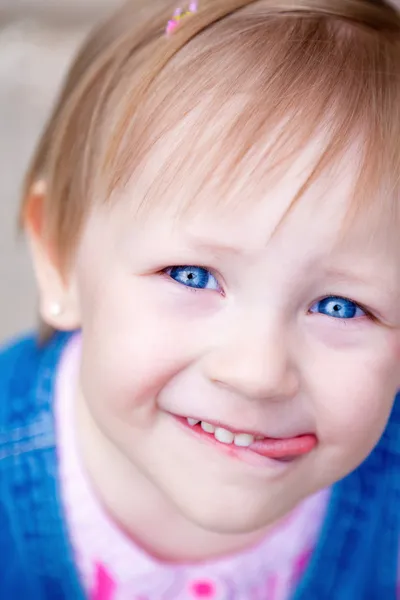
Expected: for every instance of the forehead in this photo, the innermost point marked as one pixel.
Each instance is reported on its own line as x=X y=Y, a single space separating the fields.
x=219 y=163
x=222 y=149
x=222 y=142
x=258 y=202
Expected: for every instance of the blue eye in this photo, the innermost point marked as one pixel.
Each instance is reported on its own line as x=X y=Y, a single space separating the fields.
x=338 y=308
x=193 y=277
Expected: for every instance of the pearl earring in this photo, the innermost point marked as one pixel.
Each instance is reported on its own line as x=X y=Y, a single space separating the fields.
x=55 y=309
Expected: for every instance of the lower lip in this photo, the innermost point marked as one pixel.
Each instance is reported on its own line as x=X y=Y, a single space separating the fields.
x=276 y=452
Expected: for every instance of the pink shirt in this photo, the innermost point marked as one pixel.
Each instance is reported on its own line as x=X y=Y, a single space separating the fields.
x=113 y=567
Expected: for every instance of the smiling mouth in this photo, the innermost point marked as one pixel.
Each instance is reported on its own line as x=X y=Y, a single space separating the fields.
x=279 y=449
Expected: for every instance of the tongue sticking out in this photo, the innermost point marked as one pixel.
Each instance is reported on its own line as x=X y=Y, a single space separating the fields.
x=284 y=448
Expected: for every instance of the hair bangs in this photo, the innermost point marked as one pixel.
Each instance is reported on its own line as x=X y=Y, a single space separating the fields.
x=223 y=117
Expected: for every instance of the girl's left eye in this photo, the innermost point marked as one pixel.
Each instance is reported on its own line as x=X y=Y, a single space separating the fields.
x=338 y=308
x=193 y=277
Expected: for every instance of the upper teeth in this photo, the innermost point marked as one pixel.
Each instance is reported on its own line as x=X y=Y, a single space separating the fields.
x=225 y=436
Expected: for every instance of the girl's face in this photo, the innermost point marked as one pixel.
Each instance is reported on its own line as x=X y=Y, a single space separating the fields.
x=250 y=319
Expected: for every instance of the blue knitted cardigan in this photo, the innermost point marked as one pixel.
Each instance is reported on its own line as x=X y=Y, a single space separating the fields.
x=356 y=557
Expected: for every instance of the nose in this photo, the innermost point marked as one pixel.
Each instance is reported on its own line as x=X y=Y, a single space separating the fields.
x=255 y=363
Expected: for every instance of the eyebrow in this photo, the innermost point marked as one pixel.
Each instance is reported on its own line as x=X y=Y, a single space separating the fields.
x=221 y=248
x=344 y=274
x=347 y=275
x=213 y=246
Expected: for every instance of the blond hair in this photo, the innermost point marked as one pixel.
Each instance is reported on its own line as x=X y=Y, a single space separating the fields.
x=304 y=63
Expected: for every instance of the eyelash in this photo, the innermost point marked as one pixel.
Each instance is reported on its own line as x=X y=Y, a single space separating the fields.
x=167 y=273
x=368 y=313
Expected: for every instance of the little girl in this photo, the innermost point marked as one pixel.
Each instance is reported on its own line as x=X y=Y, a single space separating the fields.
x=208 y=410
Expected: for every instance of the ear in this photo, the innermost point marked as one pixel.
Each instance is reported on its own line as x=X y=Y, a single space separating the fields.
x=59 y=306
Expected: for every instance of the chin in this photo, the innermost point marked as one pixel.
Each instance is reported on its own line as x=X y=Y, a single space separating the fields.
x=228 y=518
x=241 y=523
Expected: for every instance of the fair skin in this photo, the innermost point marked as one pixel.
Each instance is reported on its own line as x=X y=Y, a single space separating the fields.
x=256 y=348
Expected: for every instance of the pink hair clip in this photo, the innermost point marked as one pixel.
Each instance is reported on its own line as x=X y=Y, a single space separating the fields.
x=179 y=15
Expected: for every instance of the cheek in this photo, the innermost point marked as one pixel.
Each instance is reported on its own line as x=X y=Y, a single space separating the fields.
x=354 y=394
x=132 y=345
x=395 y=347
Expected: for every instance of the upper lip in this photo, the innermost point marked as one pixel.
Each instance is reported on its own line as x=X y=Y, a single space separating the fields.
x=249 y=431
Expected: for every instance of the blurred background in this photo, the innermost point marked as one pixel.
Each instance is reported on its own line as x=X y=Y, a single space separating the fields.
x=38 y=39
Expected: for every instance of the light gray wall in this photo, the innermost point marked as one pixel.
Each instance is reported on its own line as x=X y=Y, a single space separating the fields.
x=38 y=39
